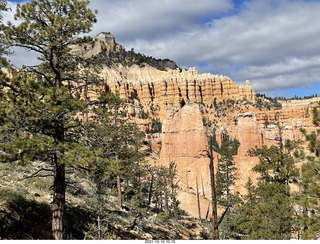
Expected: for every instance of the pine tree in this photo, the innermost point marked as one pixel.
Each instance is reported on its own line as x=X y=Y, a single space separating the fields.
x=245 y=219
x=43 y=111
x=213 y=146
x=225 y=181
x=226 y=170
x=165 y=189
x=3 y=46
x=268 y=214
x=122 y=143
x=309 y=188
x=308 y=216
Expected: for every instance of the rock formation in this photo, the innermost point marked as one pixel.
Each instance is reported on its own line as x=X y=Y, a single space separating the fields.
x=173 y=88
x=184 y=142
x=181 y=98
x=104 y=42
x=159 y=88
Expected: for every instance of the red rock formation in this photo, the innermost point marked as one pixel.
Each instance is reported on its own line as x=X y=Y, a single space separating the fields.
x=184 y=142
x=183 y=138
x=170 y=88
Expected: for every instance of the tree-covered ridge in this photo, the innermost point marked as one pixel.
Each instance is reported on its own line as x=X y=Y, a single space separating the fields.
x=129 y=58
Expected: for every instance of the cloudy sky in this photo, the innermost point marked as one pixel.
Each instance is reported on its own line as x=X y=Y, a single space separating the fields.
x=273 y=43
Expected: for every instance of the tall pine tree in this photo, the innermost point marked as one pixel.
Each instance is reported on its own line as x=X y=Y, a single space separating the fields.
x=3 y=46
x=307 y=198
x=268 y=211
x=43 y=112
x=225 y=180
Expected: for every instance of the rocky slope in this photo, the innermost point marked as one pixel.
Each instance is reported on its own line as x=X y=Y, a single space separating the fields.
x=25 y=212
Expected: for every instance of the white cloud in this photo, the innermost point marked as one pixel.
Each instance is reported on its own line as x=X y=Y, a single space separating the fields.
x=273 y=43
x=153 y=19
x=264 y=37
x=20 y=56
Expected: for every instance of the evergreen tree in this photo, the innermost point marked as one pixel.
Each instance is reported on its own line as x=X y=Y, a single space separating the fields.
x=226 y=170
x=3 y=46
x=307 y=198
x=213 y=146
x=113 y=149
x=308 y=214
x=225 y=181
x=315 y=115
x=268 y=211
x=165 y=189
x=224 y=178
x=244 y=220
x=122 y=141
x=42 y=111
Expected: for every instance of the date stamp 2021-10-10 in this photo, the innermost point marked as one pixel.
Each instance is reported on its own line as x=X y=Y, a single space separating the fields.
x=160 y=241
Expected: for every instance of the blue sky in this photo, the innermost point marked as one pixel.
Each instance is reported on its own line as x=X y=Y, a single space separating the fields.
x=273 y=43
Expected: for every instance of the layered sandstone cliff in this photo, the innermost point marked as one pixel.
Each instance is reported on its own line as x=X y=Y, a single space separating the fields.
x=158 y=88
x=173 y=87
x=185 y=143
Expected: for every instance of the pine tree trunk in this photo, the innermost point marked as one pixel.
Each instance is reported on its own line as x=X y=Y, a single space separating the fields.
x=119 y=184
x=202 y=187
x=214 y=197
x=198 y=198
x=119 y=191
x=58 y=204
x=166 y=195
x=150 y=190
x=207 y=214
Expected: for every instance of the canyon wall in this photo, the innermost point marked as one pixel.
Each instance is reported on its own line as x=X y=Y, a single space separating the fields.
x=158 y=88
x=185 y=143
x=173 y=87
x=181 y=99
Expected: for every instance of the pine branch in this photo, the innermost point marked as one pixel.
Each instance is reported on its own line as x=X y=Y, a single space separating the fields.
x=34 y=175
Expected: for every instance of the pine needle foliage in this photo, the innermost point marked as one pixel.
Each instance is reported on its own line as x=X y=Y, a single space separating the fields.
x=42 y=107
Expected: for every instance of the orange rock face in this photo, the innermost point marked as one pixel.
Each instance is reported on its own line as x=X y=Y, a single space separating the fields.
x=172 y=88
x=184 y=142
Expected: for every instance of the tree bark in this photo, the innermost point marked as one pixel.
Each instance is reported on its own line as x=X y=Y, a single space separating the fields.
x=202 y=187
x=119 y=191
x=166 y=195
x=119 y=183
x=214 y=197
x=198 y=198
x=208 y=211
x=150 y=190
x=58 y=205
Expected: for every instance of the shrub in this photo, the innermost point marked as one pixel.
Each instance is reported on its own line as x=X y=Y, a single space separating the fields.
x=163 y=217
x=156 y=126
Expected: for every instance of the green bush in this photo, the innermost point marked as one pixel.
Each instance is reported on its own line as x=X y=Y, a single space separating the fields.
x=143 y=115
x=7 y=193
x=156 y=126
x=163 y=217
